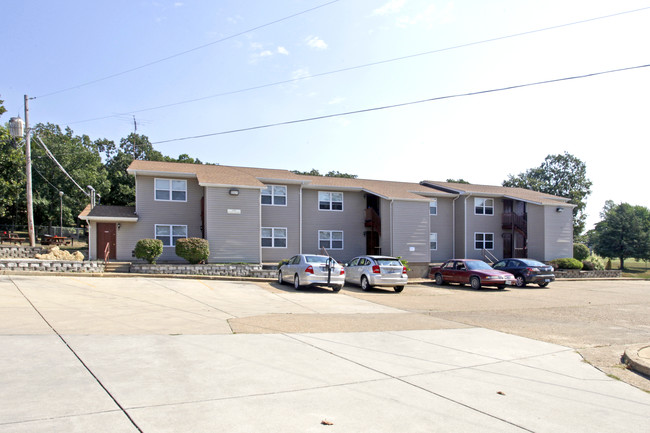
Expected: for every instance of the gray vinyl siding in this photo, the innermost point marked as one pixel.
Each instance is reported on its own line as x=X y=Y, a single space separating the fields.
x=558 y=233
x=536 y=242
x=286 y=217
x=350 y=221
x=484 y=224
x=442 y=224
x=460 y=237
x=411 y=231
x=152 y=212
x=385 y=236
x=233 y=237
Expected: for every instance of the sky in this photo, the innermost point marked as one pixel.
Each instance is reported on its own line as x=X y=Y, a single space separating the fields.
x=226 y=69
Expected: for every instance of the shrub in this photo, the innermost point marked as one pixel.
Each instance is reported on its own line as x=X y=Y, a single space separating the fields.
x=608 y=266
x=580 y=252
x=596 y=261
x=149 y=249
x=587 y=265
x=404 y=262
x=194 y=250
x=282 y=262
x=566 y=263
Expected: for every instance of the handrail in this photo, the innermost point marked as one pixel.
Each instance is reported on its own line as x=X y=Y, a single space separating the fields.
x=489 y=256
x=107 y=252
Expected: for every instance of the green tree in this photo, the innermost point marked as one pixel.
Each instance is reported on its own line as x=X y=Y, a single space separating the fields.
x=623 y=233
x=458 y=181
x=332 y=173
x=12 y=177
x=561 y=175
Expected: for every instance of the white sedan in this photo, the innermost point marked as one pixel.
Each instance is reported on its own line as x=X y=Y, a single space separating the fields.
x=311 y=269
x=368 y=271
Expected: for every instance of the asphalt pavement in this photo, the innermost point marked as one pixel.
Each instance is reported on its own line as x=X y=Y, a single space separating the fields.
x=151 y=355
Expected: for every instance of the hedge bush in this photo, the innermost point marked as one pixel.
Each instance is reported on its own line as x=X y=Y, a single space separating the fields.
x=581 y=251
x=149 y=249
x=596 y=262
x=194 y=250
x=566 y=263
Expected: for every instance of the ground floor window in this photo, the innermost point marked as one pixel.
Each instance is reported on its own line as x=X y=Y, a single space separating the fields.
x=274 y=237
x=330 y=239
x=433 y=241
x=484 y=241
x=170 y=233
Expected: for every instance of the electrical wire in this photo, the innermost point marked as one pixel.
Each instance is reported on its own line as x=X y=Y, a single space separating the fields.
x=403 y=104
x=60 y=166
x=366 y=65
x=146 y=65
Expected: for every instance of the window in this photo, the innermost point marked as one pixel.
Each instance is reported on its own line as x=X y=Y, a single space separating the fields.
x=170 y=190
x=484 y=241
x=169 y=234
x=433 y=241
x=274 y=195
x=433 y=207
x=483 y=206
x=330 y=201
x=274 y=237
x=330 y=239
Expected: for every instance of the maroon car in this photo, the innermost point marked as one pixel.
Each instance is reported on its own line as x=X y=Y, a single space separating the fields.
x=476 y=273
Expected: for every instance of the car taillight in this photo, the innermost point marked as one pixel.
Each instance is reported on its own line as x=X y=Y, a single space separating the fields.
x=309 y=270
x=404 y=269
x=376 y=270
x=342 y=271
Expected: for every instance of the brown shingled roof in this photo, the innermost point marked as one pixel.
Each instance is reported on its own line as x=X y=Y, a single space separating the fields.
x=106 y=212
x=500 y=191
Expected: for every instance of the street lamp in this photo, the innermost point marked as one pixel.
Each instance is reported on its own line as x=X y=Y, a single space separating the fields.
x=16 y=125
x=61 y=227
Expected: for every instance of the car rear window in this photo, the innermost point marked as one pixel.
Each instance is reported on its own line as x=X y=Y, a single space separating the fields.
x=315 y=259
x=530 y=262
x=388 y=262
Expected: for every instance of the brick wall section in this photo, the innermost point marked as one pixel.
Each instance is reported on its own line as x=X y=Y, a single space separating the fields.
x=226 y=270
x=573 y=273
x=35 y=265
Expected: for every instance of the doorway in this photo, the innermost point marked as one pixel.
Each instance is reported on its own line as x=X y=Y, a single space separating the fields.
x=106 y=240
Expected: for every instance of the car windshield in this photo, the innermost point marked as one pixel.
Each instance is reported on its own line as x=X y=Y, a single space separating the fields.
x=315 y=259
x=477 y=265
x=529 y=262
x=388 y=262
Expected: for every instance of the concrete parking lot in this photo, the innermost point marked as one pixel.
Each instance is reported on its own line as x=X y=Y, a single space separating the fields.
x=172 y=355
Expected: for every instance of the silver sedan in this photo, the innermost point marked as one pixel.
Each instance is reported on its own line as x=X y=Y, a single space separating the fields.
x=311 y=269
x=368 y=271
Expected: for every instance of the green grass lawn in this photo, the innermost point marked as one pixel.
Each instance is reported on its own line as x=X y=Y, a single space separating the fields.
x=633 y=268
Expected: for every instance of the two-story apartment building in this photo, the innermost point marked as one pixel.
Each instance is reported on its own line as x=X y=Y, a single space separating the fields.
x=258 y=215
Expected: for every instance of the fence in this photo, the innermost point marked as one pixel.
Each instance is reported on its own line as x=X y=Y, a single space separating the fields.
x=76 y=233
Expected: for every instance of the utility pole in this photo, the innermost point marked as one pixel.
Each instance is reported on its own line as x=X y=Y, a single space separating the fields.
x=28 y=174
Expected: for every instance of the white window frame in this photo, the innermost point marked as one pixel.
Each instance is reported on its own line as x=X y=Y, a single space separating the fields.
x=275 y=236
x=484 y=241
x=275 y=196
x=170 y=189
x=433 y=240
x=482 y=203
x=330 y=239
x=433 y=207
x=170 y=237
x=330 y=201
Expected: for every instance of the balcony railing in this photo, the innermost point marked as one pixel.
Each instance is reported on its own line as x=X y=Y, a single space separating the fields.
x=511 y=220
x=373 y=221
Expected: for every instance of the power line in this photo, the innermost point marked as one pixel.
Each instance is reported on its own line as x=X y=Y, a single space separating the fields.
x=186 y=51
x=365 y=65
x=403 y=104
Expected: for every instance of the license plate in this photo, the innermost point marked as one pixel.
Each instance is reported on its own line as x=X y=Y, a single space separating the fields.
x=393 y=271
x=509 y=283
x=547 y=280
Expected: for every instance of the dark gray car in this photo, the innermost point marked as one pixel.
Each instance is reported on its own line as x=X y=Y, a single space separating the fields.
x=527 y=271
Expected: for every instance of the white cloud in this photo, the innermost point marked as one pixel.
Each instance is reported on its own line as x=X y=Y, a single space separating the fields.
x=316 y=42
x=336 y=100
x=391 y=7
x=179 y=4
x=256 y=46
x=300 y=73
x=282 y=50
x=266 y=53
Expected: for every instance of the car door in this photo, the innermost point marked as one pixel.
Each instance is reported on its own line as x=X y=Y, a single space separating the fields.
x=462 y=273
x=448 y=271
x=352 y=271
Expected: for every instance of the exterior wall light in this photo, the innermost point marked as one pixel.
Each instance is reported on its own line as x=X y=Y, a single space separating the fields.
x=234 y=191
x=559 y=210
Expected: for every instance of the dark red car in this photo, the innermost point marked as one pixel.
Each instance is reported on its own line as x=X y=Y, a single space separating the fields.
x=476 y=273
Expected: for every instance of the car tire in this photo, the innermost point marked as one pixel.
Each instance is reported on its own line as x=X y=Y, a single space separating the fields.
x=296 y=282
x=280 y=280
x=439 y=280
x=337 y=288
x=501 y=287
x=398 y=289
x=520 y=281
x=542 y=284
x=365 y=285
x=475 y=282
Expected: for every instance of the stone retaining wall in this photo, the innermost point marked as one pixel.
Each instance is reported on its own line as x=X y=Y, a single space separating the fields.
x=21 y=252
x=574 y=273
x=35 y=265
x=224 y=270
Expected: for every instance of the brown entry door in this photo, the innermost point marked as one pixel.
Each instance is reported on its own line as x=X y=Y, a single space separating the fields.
x=106 y=236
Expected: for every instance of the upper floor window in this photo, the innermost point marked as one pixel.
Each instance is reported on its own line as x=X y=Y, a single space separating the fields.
x=330 y=200
x=484 y=241
x=433 y=207
x=170 y=190
x=274 y=237
x=170 y=233
x=483 y=206
x=330 y=239
x=274 y=195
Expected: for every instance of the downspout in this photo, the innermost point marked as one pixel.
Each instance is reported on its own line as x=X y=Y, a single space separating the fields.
x=453 y=226
x=465 y=227
x=392 y=234
x=300 y=220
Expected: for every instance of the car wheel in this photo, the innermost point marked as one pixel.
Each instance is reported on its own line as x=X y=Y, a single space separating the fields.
x=364 y=283
x=296 y=282
x=280 y=280
x=398 y=289
x=439 y=280
x=501 y=286
x=475 y=282
x=337 y=288
x=542 y=284
x=521 y=281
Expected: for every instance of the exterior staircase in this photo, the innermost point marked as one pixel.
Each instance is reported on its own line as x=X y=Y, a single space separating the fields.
x=117 y=267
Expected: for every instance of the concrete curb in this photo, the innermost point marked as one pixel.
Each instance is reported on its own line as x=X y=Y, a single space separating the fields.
x=637 y=358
